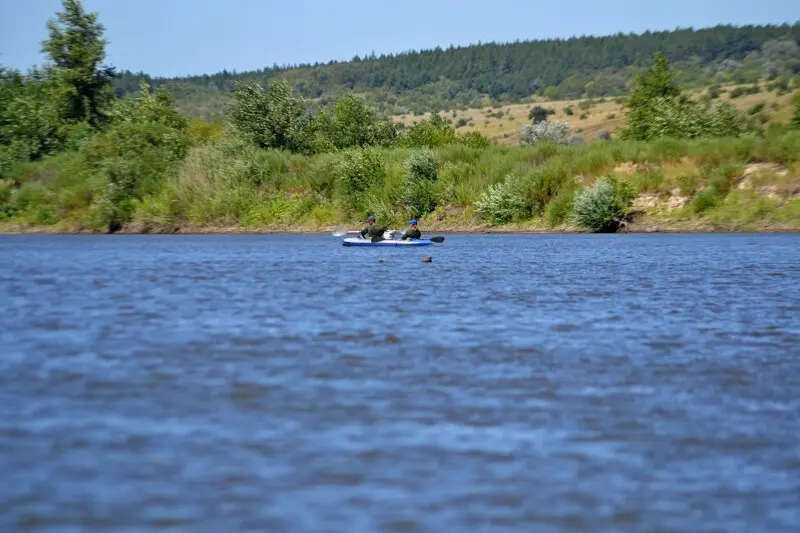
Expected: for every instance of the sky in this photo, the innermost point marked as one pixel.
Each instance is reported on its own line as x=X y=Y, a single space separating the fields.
x=183 y=37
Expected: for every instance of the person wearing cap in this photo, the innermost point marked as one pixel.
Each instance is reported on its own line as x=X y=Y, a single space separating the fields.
x=412 y=232
x=371 y=229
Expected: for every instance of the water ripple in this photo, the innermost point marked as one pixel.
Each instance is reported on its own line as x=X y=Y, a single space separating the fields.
x=285 y=383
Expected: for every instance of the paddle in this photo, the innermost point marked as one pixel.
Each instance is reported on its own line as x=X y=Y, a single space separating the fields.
x=339 y=232
x=379 y=238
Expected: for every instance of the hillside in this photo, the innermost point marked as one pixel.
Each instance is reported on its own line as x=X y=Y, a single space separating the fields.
x=467 y=77
x=589 y=117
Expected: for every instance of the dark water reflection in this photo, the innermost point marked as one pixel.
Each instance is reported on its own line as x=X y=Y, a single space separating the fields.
x=286 y=383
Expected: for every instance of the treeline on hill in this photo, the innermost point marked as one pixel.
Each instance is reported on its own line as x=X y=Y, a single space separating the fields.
x=463 y=77
x=75 y=155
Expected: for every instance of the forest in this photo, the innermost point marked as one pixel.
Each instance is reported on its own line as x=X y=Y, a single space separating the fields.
x=79 y=154
x=462 y=77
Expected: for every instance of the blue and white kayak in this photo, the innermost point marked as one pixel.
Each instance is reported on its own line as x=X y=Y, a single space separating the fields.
x=358 y=241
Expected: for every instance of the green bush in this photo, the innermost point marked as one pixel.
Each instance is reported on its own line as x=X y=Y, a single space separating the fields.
x=601 y=208
x=539 y=114
x=796 y=111
x=559 y=209
x=6 y=206
x=703 y=201
x=419 y=196
x=421 y=165
x=504 y=202
x=360 y=169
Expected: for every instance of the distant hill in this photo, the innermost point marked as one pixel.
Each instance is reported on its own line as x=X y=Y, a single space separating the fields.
x=464 y=77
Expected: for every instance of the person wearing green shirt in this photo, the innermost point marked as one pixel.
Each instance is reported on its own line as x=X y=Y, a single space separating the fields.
x=371 y=229
x=412 y=232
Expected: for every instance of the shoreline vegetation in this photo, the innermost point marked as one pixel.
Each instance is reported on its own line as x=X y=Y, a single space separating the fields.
x=76 y=158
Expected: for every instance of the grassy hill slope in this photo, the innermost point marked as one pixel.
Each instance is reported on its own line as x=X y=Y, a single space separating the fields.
x=464 y=77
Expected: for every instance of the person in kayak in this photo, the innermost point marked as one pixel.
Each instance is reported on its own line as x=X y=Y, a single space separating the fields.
x=371 y=229
x=412 y=232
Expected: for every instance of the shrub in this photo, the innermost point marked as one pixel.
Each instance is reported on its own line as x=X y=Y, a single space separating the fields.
x=796 y=113
x=556 y=131
x=559 y=209
x=474 y=139
x=421 y=165
x=419 y=196
x=741 y=91
x=539 y=114
x=602 y=207
x=359 y=170
x=569 y=111
x=503 y=202
x=703 y=201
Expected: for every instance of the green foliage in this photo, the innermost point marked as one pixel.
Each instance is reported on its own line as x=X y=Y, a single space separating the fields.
x=30 y=125
x=352 y=123
x=703 y=201
x=419 y=196
x=474 y=139
x=504 y=202
x=602 y=207
x=360 y=170
x=271 y=119
x=421 y=165
x=431 y=133
x=538 y=114
x=742 y=91
x=569 y=111
x=659 y=109
x=781 y=85
x=433 y=80
x=796 y=112
x=145 y=145
x=559 y=209
x=77 y=49
x=656 y=84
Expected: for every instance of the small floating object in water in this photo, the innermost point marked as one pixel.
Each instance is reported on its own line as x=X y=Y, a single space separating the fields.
x=427 y=259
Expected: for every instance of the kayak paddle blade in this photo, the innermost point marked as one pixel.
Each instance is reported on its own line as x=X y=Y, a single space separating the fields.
x=437 y=239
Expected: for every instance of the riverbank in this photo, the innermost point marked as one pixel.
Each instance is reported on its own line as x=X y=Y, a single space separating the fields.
x=638 y=223
x=226 y=187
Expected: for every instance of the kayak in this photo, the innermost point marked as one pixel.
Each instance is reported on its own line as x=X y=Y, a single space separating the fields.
x=358 y=241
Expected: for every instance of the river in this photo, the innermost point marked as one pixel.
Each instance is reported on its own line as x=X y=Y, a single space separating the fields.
x=286 y=383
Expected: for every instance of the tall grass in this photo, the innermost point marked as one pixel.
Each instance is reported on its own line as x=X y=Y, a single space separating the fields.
x=225 y=182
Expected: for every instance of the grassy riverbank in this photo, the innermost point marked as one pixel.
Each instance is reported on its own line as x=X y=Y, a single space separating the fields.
x=226 y=185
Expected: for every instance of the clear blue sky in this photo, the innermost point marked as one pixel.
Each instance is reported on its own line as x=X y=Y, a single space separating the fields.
x=178 y=37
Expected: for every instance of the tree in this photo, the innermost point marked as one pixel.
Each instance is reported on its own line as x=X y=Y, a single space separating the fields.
x=656 y=83
x=77 y=50
x=352 y=122
x=539 y=114
x=271 y=119
x=29 y=119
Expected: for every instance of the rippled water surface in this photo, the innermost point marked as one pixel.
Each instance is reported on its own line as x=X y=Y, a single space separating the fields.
x=286 y=383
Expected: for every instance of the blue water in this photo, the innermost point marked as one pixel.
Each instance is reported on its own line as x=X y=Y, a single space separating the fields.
x=287 y=383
